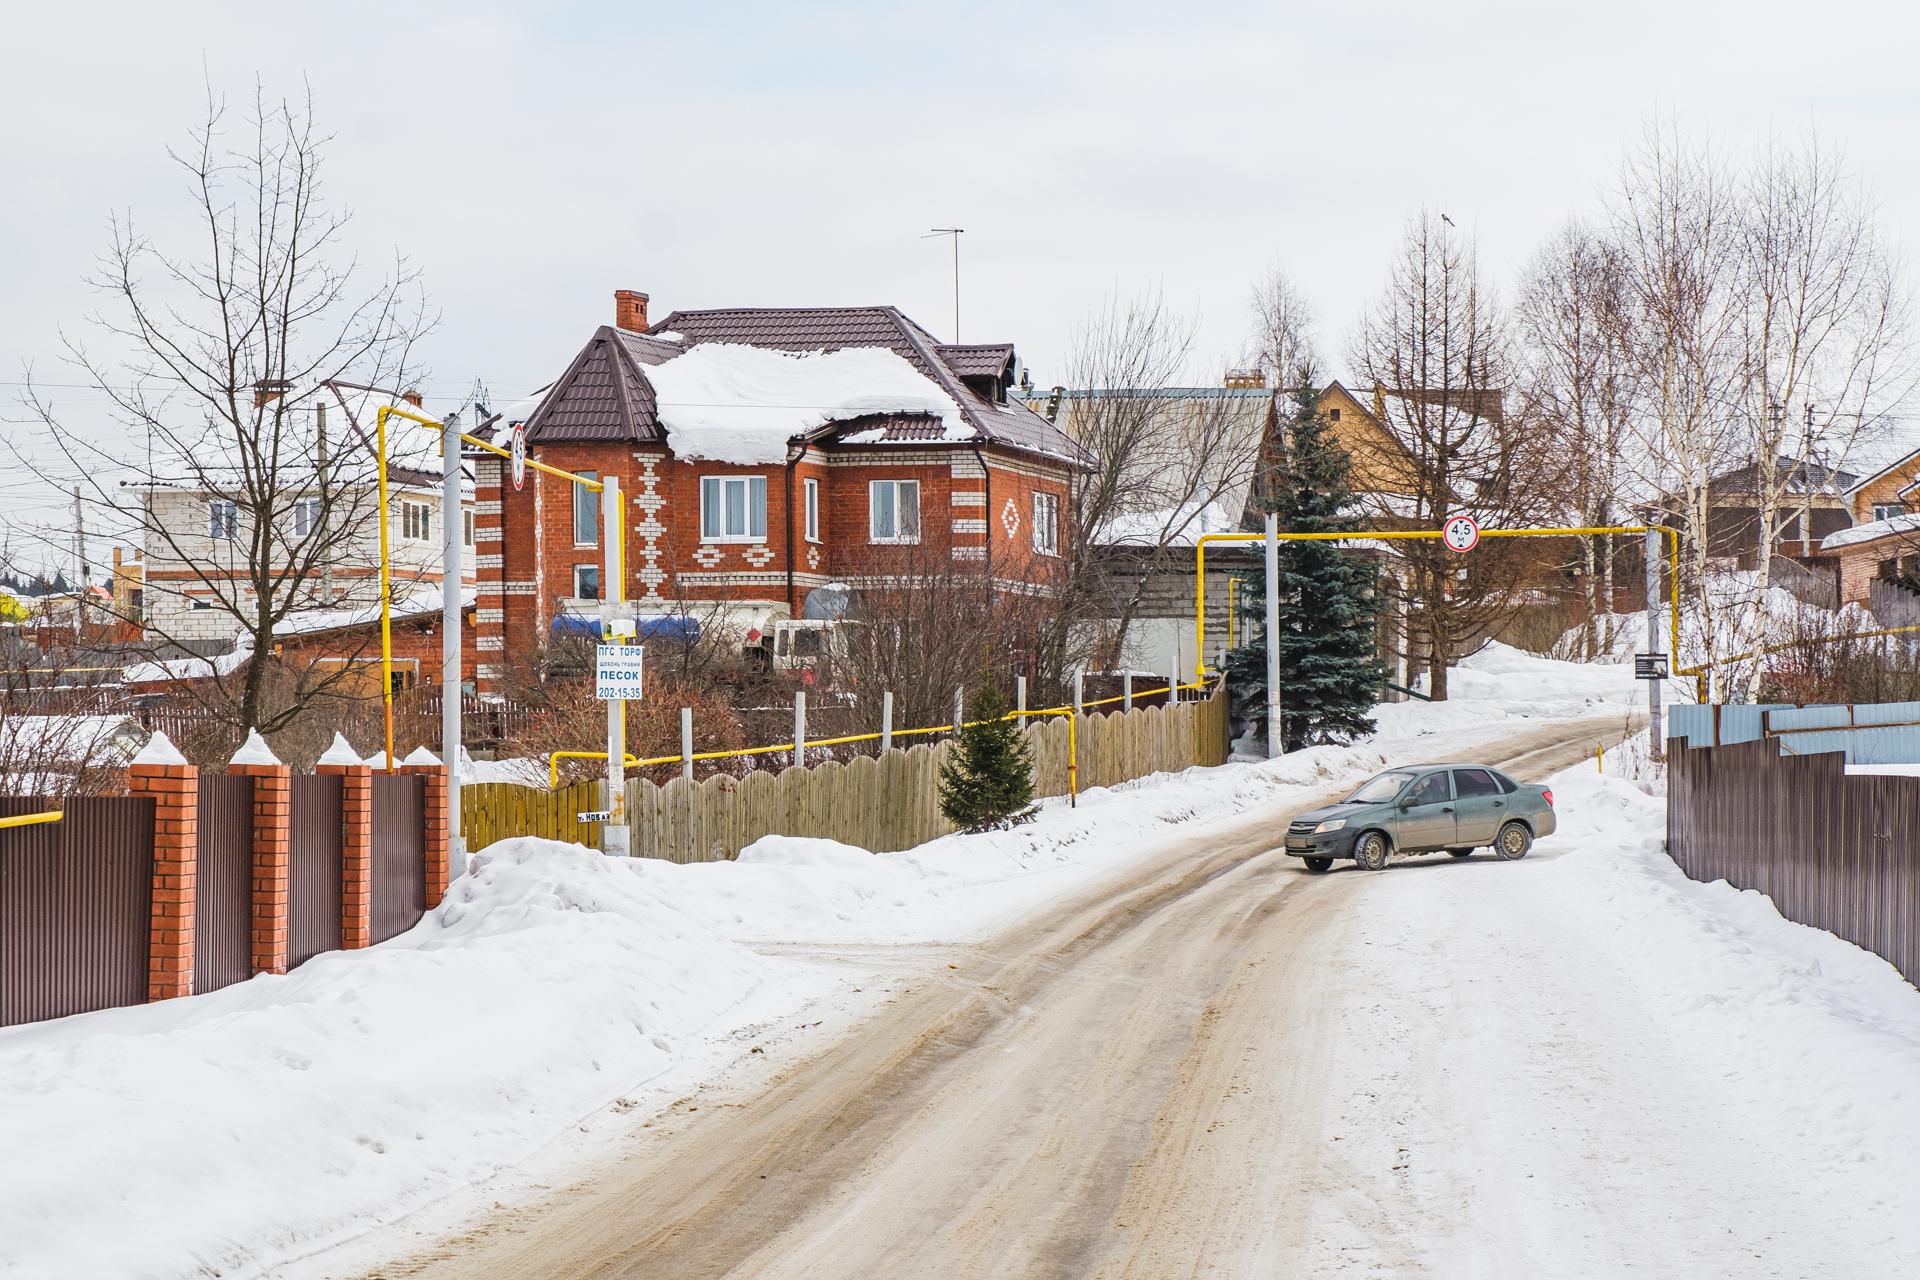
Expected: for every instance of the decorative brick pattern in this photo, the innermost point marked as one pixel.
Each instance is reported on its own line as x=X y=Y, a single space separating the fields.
x=649 y=500
x=1010 y=517
x=709 y=556
x=272 y=813
x=356 y=853
x=759 y=557
x=175 y=789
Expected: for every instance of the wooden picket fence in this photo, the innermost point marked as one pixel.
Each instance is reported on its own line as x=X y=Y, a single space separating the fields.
x=885 y=802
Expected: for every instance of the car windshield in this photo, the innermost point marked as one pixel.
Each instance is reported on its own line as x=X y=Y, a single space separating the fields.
x=1381 y=789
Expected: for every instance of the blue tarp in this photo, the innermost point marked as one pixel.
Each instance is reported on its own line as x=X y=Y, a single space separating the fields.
x=669 y=627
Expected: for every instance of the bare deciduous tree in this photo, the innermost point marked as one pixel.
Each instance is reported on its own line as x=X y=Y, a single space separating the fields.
x=216 y=359
x=1575 y=378
x=1435 y=350
x=1171 y=460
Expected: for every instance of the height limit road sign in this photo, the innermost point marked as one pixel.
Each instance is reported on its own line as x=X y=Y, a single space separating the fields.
x=517 y=455
x=617 y=671
x=1461 y=533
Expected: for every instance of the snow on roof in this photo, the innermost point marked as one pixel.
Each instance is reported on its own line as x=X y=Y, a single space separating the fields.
x=224 y=664
x=728 y=402
x=1872 y=530
x=1179 y=526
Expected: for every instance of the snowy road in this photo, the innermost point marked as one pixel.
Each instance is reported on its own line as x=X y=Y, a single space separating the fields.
x=1219 y=1065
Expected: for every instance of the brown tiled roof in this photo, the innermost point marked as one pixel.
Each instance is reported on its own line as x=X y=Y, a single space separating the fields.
x=605 y=393
x=983 y=361
x=601 y=396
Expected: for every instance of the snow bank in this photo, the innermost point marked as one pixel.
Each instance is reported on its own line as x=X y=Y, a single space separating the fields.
x=727 y=402
x=1827 y=1033
x=229 y=1129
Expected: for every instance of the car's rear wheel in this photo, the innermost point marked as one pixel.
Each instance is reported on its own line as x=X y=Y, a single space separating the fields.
x=1458 y=853
x=1513 y=841
x=1370 y=851
x=1318 y=864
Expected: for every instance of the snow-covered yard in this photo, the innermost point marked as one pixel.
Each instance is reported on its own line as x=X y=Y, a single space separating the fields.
x=236 y=1131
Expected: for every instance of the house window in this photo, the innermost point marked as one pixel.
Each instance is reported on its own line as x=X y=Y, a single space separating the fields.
x=466 y=525
x=416 y=521
x=196 y=602
x=811 y=491
x=223 y=520
x=1046 y=524
x=306 y=516
x=1333 y=415
x=1888 y=510
x=733 y=509
x=586 y=513
x=893 y=510
x=586 y=582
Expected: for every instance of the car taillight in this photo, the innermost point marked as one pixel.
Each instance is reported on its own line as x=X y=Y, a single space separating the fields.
x=1549 y=796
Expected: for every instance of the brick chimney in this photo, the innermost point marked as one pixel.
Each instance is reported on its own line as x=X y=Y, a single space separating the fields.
x=630 y=310
x=414 y=398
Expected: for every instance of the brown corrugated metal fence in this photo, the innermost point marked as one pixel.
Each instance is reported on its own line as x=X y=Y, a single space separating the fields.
x=223 y=873
x=74 y=907
x=1837 y=852
x=399 y=853
x=313 y=888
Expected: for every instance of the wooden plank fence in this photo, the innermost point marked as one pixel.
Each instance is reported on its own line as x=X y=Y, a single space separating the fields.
x=883 y=803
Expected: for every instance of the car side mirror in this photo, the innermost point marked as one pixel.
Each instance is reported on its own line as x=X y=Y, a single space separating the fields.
x=1407 y=803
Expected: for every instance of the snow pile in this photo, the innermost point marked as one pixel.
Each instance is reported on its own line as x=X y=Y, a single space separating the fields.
x=1827 y=1033
x=227 y=1129
x=1501 y=683
x=726 y=402
x=256 y=751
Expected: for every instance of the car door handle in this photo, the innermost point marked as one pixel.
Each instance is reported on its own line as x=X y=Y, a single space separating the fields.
x=1447 y=809
x=1499 y=804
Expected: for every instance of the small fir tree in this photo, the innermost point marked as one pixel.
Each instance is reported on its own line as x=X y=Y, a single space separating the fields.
x=987 y=780
x=1330 y=668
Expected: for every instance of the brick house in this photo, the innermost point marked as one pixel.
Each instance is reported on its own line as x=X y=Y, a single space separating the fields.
x=764 y=453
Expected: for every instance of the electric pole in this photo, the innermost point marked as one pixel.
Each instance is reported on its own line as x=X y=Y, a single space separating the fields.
x=80 y=554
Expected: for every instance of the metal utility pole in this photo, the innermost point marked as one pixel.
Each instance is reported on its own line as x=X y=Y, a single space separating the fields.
x=80 y=553
x=1275 y=745
x=325 y=482
x=613 y=836
x=956 y=233
x=1656 y=742
x=452 y=542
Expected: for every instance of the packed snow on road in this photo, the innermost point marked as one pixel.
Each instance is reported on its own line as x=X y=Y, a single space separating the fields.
x=557 y=998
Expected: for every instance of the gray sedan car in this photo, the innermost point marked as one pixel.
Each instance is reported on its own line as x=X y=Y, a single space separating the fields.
x=1424 y=809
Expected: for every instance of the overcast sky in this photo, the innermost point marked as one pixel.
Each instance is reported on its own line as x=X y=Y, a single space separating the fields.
x=530 y=159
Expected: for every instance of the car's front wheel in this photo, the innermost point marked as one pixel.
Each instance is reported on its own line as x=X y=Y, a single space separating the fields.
x=1318 y=864
x=1370 y=851
x=1513 y=841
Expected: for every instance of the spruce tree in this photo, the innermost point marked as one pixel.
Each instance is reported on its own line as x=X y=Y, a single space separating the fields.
x=987 y=780
x=1330 y=669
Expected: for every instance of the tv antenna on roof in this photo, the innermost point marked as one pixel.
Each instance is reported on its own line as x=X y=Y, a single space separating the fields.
x=956 y=233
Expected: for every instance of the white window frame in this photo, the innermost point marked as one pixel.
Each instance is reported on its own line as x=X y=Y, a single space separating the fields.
x=579 y=569
x=896 y=489
x=715 y=506
x=810 y=496
x=223 y=520
x=1050 y=544
x=1893 y=510
x=586 y=511
x=416 y=521
x=306 y=516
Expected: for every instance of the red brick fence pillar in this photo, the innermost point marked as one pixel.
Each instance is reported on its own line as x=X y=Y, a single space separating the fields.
x=161 y=772
x=356 y=845
x=272 y=815
x=437 y=834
